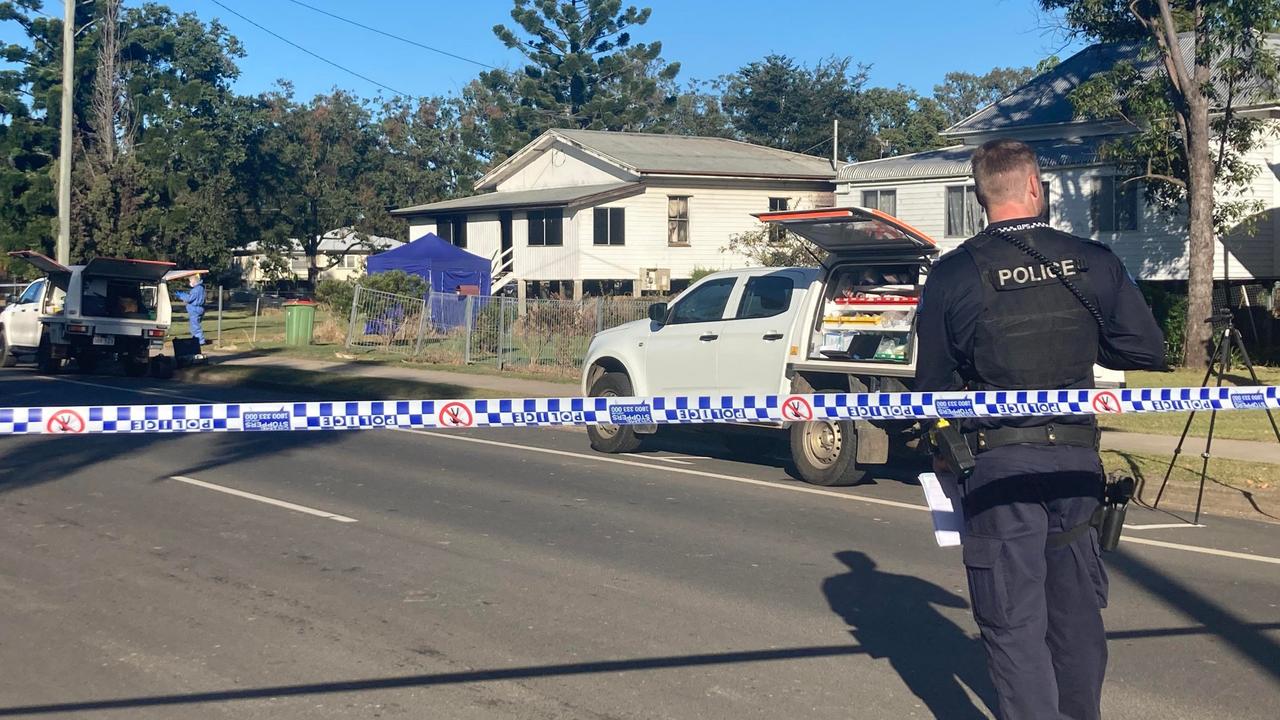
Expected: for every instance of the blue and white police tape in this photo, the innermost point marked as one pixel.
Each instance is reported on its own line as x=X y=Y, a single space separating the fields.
x=248 y=417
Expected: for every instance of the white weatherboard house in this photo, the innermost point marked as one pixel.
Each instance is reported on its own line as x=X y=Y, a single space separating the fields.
x=599 y=212
x=933 y=191
x=342 y=256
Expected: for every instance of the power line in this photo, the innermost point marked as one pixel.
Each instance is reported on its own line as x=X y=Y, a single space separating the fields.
x=312 y=54
x=393 y=36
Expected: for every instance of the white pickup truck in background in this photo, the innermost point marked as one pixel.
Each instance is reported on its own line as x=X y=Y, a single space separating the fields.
x=108 y=308
x=847 y=326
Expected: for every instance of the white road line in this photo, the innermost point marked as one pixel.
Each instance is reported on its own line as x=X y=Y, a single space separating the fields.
x=697 y=473
x=676 y=461
x=262 y=499
x=140 y=391
x=813 y=491
x=1202 y=550
x=1162 y=526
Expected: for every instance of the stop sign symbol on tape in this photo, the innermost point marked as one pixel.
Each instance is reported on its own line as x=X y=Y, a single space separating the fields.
x=65 y=422
x=455 y=415
x=1107 y=403
x=797 y=408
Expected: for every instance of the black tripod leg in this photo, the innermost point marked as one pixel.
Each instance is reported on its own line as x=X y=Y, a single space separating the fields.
x=1182 y=439
x=1238 y=339
x=1204 y=466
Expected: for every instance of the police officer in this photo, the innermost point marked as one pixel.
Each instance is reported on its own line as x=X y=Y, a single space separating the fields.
x=1024 y=306
x=194 y=300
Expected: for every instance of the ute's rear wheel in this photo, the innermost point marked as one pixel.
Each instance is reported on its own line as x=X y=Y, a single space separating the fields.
x=613 y=438
x=825 y=452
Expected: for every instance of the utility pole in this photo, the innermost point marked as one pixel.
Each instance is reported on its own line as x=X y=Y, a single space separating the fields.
x=64 y=149
x=835 y=144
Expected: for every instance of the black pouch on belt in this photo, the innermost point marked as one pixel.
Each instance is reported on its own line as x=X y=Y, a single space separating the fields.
x=1108 y=518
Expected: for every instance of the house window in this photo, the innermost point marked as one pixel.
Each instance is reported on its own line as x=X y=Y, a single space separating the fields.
x=610 y=226
x=776 y=204
x=453 y=229
x=351 y=260
x=677 y=219
x=964 y=214
x=546 y=228
x=299 y=263
x=886 y=201
x=1115 y=205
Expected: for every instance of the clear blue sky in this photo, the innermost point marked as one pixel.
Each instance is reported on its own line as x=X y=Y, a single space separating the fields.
x=912 y=42
x=909 y=42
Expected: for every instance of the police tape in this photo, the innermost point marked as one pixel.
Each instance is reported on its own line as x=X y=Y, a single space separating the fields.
x=680 y=410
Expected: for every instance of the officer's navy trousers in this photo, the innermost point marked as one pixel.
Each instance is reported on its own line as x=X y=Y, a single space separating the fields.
x=1037 y=606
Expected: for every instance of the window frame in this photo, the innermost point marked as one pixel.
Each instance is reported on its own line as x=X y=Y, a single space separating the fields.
x=456 y=234
x=968 y=191
x=614 y=217
x=732 y=283
x=542 y=218
x=777 y=233
x=746 y=290
x=38 y=286
x=879 y=194
x=679 y=222
x=1115 y=192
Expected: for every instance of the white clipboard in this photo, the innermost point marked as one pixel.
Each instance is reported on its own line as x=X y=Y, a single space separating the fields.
x=942 y=494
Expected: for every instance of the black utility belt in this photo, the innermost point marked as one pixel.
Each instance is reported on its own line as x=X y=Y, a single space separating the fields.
x=1086 y=436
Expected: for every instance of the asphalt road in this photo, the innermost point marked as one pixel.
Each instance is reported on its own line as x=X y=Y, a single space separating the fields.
x=516 y=574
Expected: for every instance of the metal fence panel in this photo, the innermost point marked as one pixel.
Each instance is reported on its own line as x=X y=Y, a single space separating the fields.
x=548 y=335
x=386 y=322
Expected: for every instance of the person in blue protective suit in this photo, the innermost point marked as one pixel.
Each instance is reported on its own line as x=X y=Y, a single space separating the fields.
x=194 y=299
x=1023 y=306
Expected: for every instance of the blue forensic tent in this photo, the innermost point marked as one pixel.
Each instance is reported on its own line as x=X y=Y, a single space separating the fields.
x=444 y=265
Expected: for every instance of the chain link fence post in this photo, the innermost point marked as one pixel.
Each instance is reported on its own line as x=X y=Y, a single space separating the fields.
x=502 y=329
x=351 y=324
x=468 y=321
x=422 y=328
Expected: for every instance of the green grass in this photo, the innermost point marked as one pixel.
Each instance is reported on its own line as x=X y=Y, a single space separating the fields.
x=1232 y=487
x=1232 y=425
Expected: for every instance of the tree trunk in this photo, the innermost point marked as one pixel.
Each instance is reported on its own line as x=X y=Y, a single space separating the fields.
x=1201 y=242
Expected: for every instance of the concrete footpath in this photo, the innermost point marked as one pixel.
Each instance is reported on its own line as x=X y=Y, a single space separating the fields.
x=509 y=386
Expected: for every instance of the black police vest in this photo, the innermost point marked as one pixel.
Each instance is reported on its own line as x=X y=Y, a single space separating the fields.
x=1033 y=332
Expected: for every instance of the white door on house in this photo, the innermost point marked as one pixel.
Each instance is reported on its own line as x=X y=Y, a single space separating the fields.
x=753 y=342
x=681 y=354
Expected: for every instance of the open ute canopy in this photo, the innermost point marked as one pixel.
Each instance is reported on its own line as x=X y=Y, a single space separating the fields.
x=148 y=271
x=43 y=262
x=850 y=230
x=181 y=274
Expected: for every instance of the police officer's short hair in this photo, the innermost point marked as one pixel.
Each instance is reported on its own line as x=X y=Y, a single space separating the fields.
x=993 y=164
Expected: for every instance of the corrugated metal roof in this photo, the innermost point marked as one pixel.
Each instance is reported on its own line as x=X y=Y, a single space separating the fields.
x=693 y=155
x=542 y=197
x=1045 y=99
x=955 y=161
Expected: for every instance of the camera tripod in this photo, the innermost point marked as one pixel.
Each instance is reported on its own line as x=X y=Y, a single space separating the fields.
x=1227 y=341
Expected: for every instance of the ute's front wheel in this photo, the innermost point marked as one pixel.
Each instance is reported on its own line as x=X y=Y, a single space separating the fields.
x=613 y=438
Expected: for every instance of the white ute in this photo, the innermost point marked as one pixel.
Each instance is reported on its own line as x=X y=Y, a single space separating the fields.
x=847 y=326
x=106 y=308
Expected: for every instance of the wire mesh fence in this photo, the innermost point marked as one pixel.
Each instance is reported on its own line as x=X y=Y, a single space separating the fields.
x=386 y=322
x=550 y=335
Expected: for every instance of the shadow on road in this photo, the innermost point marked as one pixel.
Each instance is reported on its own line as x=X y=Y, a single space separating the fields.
x=1247 y=639
x=894 y=617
